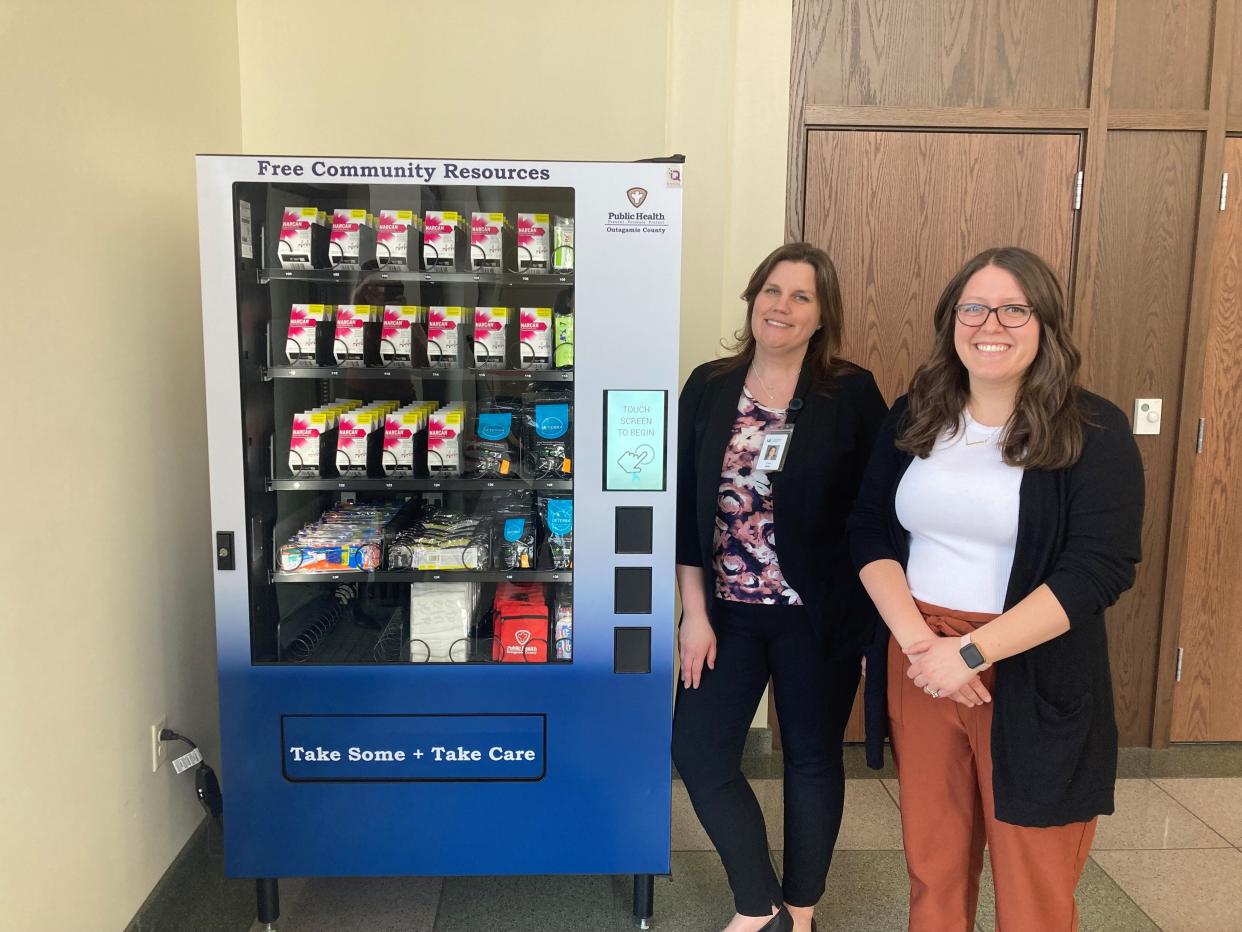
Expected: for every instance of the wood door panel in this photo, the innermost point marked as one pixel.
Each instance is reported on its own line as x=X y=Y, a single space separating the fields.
x=1162 y=54
x=1207 y=703
x=1133 y=341
x=1235 y=86
x=927 y=53
x=899 y=212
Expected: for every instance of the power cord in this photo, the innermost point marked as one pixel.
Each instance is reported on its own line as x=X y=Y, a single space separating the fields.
x=206 y=786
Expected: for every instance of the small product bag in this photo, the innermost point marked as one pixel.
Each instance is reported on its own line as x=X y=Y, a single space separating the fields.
x=549 y=434
x=515 y=540
x=557 y=516
x=495 y=448
x=520 y=627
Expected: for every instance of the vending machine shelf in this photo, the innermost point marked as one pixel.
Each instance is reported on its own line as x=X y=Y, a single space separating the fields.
x=353 y=276
x=396 y=374
x=418 y=485
x=408 y=576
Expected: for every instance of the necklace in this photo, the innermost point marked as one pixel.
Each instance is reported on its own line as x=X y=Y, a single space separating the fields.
x=983 y=433
x=771 y=394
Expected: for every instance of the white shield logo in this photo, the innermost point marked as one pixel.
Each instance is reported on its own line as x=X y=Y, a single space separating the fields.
x=637 y=196
x=521 y=637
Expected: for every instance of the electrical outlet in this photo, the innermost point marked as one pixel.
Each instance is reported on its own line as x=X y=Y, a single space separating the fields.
x=159 y=749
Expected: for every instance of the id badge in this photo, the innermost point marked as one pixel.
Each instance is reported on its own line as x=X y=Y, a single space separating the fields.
x=772 y=449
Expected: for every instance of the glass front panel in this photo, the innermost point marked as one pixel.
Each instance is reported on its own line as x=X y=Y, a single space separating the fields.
x=407 y=389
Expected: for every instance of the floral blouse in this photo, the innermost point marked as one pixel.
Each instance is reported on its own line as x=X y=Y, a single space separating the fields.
x=744 y=541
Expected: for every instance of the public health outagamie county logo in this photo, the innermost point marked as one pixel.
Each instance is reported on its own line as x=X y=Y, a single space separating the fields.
x=642 y=222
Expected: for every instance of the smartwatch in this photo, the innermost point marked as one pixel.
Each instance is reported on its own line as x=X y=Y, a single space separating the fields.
x=971 y=654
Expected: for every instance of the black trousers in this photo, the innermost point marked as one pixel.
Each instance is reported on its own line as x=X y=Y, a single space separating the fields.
x=814 y=691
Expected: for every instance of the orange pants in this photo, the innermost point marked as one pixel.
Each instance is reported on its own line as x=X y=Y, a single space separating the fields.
x=943 y=752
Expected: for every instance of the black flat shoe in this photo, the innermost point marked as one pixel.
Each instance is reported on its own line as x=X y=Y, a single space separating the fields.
x=780 y=922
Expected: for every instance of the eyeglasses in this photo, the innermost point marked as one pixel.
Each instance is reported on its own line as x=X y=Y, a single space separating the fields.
x=1007 y=315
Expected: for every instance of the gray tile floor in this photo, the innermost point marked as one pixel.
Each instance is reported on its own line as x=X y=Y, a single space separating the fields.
x=1169 y=859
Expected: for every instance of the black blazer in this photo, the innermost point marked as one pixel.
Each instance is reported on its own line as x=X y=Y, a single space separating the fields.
x=812 y=495
x=1054 y=736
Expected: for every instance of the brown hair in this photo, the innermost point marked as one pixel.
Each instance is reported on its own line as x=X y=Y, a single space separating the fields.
x=825 y=344
x=1045 y=430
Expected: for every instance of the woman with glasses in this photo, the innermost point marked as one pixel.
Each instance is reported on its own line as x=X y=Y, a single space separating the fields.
x=999 y=517
x=772 y=444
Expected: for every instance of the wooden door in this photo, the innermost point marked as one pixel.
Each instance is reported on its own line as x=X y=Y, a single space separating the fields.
x=1207 y=699
x=900 y=212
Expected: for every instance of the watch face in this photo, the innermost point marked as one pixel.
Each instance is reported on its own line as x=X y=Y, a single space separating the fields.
x=972 y=656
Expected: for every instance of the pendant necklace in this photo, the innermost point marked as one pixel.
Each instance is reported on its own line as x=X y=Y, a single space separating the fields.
x=771 y=394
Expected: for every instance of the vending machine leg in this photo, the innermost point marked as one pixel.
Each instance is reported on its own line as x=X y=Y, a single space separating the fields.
x=269 y=902
x=644 y=900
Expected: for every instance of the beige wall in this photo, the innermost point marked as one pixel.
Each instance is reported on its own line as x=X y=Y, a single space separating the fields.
x=105 y=599
x=106 y=611
x=482 y=78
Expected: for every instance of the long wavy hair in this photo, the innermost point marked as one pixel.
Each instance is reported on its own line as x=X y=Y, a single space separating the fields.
x=1045 y=430
x=825 y=344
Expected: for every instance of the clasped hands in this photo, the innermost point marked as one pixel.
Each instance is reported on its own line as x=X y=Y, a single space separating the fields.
x=937 y=668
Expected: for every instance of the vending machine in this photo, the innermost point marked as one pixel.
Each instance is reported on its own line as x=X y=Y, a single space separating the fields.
x=441 y=459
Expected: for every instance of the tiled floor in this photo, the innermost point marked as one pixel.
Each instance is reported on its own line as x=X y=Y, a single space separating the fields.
x=1168 y=859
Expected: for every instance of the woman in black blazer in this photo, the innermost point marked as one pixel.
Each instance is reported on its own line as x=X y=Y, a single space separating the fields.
x=773 y=438
x=999 y=517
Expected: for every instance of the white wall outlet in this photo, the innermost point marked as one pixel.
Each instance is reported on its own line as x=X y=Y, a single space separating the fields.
x=1147 y=413
x=159 y=749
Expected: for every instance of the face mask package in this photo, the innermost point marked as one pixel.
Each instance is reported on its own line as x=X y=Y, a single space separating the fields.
x=562 y=244
x=355 y=339
x=303 y=242
x=306 y=326
x=399 y=240
x=360 y=439
x=535 y=337
x=443 y=335
x=557 y=516
x=519 y=624
x=549 y=434
x=405 y=439
x=441 y=616
x=514 y=546
x=352 y=244
x=533 y=243
x=403 y=336
x=312 y=444
x=489 y=234
x=445 y=238
x=445 y=440
x=495 y=449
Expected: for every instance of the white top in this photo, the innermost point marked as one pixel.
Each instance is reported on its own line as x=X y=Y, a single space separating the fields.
x=960 y=508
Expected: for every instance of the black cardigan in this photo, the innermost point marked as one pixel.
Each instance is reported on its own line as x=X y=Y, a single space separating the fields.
x=812 y=495
x=1054 y=737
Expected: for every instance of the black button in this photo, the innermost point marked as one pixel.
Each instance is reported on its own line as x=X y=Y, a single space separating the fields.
x=632 y=590
x=633 y=529
x=631 y=650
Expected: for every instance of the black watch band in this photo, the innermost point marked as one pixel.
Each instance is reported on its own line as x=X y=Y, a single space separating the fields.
x=972 y=656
